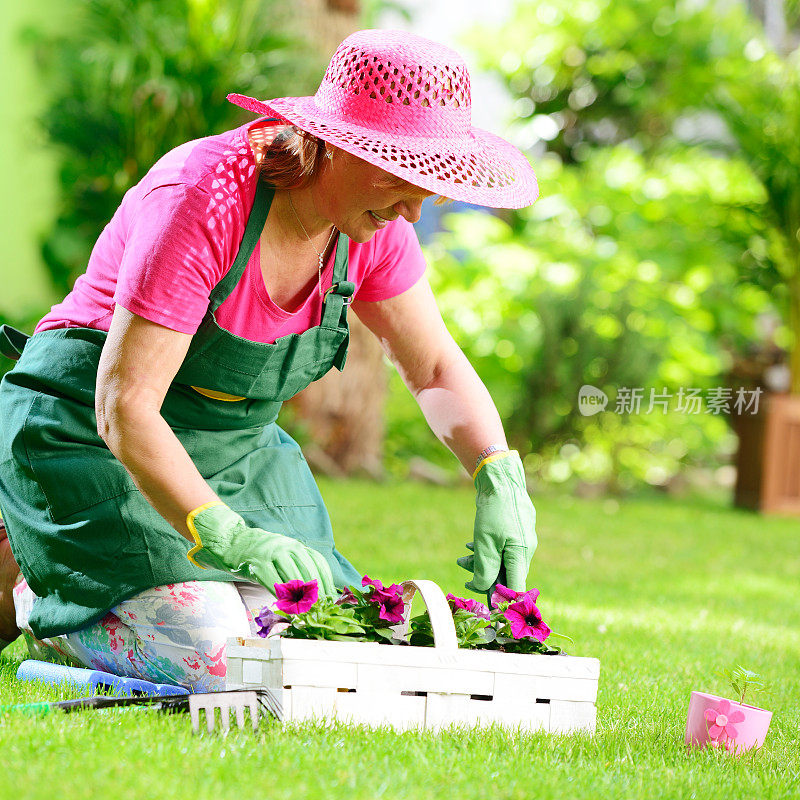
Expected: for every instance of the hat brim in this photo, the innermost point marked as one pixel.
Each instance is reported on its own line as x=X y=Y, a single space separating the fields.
x=480 y=168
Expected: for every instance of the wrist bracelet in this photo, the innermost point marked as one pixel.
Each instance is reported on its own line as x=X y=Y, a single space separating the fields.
x=492 y=448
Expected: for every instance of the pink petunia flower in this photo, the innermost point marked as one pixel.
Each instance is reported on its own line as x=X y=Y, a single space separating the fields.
x=391 y=609
x=502 y=594
x=720 y=729
x=389 y=599
x=295 y=597
x=378 y=588
x=477 y=608
x=526 y=619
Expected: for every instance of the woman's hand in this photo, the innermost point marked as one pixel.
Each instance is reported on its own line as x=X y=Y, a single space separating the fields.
x=505 y=525
x=224 y=541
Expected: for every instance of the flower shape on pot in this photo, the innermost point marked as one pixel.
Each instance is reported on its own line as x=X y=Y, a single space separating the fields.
x=720 y=721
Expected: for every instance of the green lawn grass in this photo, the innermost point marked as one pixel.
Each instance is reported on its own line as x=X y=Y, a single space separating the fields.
x=664 y=592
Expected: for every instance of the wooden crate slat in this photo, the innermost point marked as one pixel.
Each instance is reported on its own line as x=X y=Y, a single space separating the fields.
x=312 y=702
x=233 y=676
x=332 y=674
x=372 y=653
x=252 y=672
x=543 y=687
x=401 y=712
x=442 y=709
x=526 y=716
x=390 y=677
x=567 y=716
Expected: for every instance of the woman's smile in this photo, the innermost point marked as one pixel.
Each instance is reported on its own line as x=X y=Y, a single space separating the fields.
x=378 y=221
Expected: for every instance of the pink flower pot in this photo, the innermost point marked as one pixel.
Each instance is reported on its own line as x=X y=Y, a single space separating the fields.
x=717 y=722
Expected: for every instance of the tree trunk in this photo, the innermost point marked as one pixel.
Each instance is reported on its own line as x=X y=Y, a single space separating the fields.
x=343 y=412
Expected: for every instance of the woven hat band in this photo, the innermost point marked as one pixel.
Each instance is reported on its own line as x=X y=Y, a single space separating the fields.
x=408 y=93
x=371 y=112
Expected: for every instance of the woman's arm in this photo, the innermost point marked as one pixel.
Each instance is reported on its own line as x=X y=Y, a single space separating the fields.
x=450 y=394
x=461 y=413
x=138 y=363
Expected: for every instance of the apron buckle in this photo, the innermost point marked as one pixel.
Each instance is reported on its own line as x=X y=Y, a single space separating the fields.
x=343 y=288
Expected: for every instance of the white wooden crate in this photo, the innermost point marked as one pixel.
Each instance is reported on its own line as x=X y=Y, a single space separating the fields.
x=418 y=687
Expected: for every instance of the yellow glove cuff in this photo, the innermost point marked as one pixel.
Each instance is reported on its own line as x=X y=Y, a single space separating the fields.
x=190 y=517
x=492 y=457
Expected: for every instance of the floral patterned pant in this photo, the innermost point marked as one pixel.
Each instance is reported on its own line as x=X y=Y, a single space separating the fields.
x=169 y=634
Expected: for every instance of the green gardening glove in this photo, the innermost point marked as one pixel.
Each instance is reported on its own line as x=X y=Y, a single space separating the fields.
x=224 y=541
x=505 y=520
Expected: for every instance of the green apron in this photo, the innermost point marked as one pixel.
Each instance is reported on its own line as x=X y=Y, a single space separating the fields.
x=83 y=535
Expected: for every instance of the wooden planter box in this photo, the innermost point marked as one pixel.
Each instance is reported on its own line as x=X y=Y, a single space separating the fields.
x=768 y=460
x=418 y=687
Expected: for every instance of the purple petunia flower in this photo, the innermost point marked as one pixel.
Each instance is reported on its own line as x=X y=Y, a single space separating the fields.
x=347 y=597
x=526 y=619
x=295 y=597
x=477 y=608
x=266 y=620
x=502 y=594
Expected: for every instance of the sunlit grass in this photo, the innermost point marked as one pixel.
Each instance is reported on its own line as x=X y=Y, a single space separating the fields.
x=663 y=592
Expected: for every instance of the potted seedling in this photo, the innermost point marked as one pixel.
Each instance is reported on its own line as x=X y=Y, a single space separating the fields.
x=732 y=725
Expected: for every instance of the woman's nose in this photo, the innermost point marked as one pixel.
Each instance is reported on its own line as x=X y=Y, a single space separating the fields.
x=411 y=209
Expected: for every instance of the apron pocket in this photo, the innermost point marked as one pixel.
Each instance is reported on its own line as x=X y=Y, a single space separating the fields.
x=97 y=535
x=69 y=460
x=269 y=473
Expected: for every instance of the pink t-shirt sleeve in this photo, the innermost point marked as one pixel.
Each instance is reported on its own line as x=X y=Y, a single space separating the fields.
x=398 y=263
x=173 y=257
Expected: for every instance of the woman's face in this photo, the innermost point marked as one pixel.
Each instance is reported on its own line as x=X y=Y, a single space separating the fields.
x=349 y=192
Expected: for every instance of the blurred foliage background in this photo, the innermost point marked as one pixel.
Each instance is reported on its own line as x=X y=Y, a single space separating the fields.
x=666 y=139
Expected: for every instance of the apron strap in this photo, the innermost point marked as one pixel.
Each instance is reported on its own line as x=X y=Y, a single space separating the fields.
x=337 y=298
x=252 y=233
x=12 y=342
x=334 y=312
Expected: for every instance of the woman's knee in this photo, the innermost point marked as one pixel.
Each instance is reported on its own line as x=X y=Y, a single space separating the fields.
x=183 y=630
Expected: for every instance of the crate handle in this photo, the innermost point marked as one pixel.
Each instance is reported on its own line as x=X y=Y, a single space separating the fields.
x=444 y=631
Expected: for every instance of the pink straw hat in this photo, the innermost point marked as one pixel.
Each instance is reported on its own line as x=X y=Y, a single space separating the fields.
x=402 y=103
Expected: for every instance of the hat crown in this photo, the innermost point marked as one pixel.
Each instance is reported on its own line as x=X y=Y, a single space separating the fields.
x=398 y=82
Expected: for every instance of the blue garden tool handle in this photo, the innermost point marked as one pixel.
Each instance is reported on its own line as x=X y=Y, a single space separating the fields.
x=56 y=674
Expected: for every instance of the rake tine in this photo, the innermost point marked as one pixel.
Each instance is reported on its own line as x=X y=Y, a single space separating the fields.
x=239 y=716
x=255 y=713
x=236 y=701
x=225 y=718
x=194 y=713
x=211 y=716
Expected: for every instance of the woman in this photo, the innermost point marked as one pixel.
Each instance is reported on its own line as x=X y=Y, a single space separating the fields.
x=141 y=413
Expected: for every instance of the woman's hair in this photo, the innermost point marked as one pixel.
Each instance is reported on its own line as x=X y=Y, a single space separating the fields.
x=292 y=158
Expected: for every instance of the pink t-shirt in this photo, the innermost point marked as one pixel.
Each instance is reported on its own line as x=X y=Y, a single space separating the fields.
x=176 y=233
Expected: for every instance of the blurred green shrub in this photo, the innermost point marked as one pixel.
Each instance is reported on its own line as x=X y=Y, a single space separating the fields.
x=130 y=81
x=623 y=275
x=664 y=76
x=655 y=245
